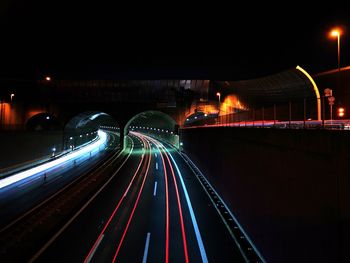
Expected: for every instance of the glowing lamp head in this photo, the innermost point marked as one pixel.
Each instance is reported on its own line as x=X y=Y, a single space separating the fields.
x=336 y=32
x=47 y=78
x=218 y=94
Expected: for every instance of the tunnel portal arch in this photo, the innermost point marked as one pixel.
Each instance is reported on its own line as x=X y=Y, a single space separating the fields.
x=155 y=123
x=83 y=127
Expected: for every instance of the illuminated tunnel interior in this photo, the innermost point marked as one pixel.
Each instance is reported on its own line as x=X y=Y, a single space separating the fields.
x=43 y=122
x=156 y=124
x=83 y=127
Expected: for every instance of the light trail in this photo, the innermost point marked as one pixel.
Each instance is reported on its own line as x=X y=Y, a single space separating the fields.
x=187 y=198
x=88 y=257
x=189 y=205
x=55 y=163
x=184 y=240
x=309 y=124
x=52 y=239
x=135 y=206
x=183 y=233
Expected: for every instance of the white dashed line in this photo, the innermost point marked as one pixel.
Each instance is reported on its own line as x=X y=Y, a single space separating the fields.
x=145 y=252
x=155 y=189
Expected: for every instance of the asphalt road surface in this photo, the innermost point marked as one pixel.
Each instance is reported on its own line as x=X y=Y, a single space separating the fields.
x=153 y=210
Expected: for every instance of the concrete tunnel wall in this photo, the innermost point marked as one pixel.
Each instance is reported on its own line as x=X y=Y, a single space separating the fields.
x=20 y=147
x=281 y=185
x=23 y=146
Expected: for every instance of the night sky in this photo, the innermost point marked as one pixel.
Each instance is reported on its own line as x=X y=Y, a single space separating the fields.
x=226 y=42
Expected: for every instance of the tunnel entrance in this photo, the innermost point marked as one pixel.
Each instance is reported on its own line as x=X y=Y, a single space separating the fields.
x=156 y=124
x=83 y=128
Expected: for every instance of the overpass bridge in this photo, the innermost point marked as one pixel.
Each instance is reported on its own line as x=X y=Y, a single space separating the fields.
x=54 y=103
x=61 y=100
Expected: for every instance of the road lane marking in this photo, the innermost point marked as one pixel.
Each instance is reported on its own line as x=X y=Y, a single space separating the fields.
x=155 y=189
x=93 y=252
x=167 y=217
x=145 y=252
x=155 y=155
x=156 y=166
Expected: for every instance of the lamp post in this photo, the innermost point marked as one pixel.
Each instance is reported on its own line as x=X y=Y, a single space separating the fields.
x=53 y=151
x=10 y=114
x=336 y=33
x=219 y=95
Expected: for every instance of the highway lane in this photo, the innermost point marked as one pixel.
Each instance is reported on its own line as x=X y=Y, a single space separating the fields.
x=145 y=214
x=198 y=213
x=17 y=200
x=79 y=237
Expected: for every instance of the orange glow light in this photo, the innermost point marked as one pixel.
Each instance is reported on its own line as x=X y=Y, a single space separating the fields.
x=48 y=78
x=218 y=94
x=336 y=32
x=231 y=103
x=341 y=112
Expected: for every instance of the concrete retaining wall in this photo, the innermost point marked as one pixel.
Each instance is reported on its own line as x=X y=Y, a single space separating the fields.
x=23 y=146
x=282 y=186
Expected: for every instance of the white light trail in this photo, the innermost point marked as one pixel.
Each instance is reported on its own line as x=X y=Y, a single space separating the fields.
x=55 y=163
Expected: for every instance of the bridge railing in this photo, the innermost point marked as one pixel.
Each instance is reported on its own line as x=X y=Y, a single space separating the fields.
x=292 y=114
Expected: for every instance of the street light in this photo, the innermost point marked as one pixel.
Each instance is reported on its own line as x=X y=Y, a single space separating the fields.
x=53 y=151
x=336 y=33
x=12 y=95
x=219 y=95
x=47 y=78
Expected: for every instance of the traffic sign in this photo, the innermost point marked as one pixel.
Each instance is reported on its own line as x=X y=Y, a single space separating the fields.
x=331 y=99
x=327 y=92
